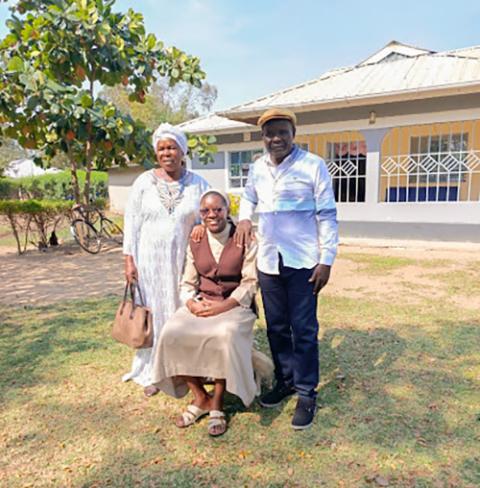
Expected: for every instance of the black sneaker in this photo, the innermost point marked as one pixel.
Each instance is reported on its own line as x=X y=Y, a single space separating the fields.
x=276 y=396
x=304 y=413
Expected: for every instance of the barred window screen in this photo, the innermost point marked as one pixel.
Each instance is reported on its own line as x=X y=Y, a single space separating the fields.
x=431 y=163
x=431 y=152
x=346 y=162
x=239 y=166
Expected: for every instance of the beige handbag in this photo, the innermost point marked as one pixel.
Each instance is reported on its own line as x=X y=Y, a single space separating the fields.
x=133 y=324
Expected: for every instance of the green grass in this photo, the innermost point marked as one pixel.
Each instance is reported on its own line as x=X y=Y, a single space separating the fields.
x=399 y=394
x=373 y=264
x=464 y=281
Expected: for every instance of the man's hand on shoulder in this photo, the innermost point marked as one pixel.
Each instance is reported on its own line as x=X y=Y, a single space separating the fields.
x=320 y=277
x=244 y=233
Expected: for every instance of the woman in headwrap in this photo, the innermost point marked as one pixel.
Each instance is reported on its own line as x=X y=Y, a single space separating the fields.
x=162 y=209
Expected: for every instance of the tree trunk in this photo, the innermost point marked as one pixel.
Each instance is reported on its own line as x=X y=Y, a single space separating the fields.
x=73 y=171
x=75 y=183
x=13 y=225
x=89 y=149
x=27 y=230
x=88 y=174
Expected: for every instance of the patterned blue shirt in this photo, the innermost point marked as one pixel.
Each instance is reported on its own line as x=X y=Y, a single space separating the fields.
x=296 y=208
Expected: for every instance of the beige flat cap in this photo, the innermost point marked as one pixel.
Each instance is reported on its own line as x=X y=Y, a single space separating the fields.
x=277 y=113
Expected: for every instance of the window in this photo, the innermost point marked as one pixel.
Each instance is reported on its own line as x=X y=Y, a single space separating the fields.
x=438 y=158
x=239 y=166
x=346 y=162
x=431 y=163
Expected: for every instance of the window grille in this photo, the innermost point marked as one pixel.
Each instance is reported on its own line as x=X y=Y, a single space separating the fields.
x=346 y=162
x=431 y=163
x=430 y=152
x=345 y=154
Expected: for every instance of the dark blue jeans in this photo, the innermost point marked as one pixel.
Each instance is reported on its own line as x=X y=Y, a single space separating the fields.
x=292 y=327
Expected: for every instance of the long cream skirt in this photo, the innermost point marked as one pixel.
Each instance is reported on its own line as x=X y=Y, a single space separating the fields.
x=213 y=347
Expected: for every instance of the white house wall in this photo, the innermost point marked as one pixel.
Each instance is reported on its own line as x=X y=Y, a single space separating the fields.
x=214 y=172
x=119 y=184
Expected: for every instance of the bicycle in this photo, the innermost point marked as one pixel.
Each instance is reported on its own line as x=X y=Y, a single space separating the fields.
x=89 y=226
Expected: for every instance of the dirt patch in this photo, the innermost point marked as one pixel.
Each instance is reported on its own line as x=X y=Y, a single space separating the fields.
x=67 y=273
x=408 y=274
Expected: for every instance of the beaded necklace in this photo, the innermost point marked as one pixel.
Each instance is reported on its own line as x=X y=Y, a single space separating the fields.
x=170 y=194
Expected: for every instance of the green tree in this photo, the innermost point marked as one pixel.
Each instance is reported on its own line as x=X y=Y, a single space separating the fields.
x=164 y=103
x=59 y=55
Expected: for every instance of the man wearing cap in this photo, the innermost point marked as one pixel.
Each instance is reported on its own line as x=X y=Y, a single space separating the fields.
x=291 y=191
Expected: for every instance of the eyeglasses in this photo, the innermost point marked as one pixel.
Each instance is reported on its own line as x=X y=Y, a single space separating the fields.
x=205 y=211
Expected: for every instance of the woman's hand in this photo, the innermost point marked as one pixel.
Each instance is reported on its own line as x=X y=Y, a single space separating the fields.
x=210 y=308
x=194 y=306
x=197 y=233
x=131 y=273
x=244 y=233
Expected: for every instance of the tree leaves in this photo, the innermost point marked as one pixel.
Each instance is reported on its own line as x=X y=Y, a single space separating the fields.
x=15 y=64
x=56 y=47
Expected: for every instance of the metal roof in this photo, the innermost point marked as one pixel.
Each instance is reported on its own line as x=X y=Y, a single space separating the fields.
x=213 y=123
x=400 y=75
x=395 y=47
x=396 y=72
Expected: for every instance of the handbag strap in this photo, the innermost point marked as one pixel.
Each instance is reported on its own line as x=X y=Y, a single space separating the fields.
x=124 y=301
x=134 y=286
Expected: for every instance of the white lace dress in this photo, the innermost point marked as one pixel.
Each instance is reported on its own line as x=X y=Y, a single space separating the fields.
x=159 y=217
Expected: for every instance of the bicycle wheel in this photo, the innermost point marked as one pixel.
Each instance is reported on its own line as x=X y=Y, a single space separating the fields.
x=112 y=231
x=86 y=236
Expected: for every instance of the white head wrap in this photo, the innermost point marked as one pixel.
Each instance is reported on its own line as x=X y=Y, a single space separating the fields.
x=168 y=131
x=218 y=192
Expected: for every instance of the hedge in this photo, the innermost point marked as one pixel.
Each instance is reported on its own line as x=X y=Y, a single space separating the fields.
x=53 y=186
x=37 y=217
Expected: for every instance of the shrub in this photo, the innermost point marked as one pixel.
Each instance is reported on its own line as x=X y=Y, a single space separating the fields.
x=234 y=204
x=9 y=188
x=53 y=186
x=39 y=217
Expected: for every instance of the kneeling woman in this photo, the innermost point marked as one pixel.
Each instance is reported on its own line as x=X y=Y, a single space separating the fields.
x=211 y=336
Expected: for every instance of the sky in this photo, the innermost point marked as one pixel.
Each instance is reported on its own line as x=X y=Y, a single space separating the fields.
x=251 y=48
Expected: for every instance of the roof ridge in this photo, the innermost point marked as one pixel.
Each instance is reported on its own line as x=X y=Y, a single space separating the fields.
x=404 y=58
x=393 y=41
x=476 y=46
x=449 y=54
x=327 y=74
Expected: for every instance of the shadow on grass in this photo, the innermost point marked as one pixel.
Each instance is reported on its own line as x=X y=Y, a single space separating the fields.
x=377 y=389
x=124 y=471
x=370 y=380
x=345 y=354
x=389 y=393
x=348 y=355
x=35 y=340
